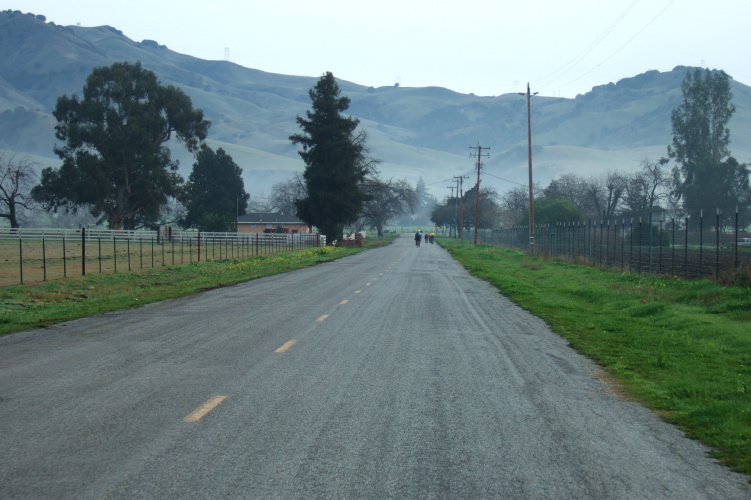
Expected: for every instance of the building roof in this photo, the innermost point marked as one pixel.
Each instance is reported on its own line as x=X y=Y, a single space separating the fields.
x=268 y=218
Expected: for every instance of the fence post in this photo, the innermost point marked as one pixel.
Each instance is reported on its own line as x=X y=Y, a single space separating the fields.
x=631 y=246
x=650 y=244
x=701 y=241
x=44 y=260
x=659 y=259
x=607 y=245
x=685 y=253
x=20 y=256
x=199 y=246
x=717 y=247
x=83 y=251
x=736 y=238
x=672 y=249
x=623 y=245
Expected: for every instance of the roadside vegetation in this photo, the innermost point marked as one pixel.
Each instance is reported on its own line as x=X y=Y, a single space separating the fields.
x=37 y=305
x=682 y=348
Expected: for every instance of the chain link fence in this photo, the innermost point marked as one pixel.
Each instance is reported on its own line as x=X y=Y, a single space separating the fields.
x=706 y=244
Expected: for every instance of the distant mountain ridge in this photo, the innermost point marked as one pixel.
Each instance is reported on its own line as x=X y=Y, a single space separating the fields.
x=416 y=132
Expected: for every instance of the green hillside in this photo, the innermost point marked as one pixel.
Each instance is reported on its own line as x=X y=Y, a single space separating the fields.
x=416 y=132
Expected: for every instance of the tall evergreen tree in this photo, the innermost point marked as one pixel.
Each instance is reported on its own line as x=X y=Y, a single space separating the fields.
x=335 y=160
x=215 y=192
x=115 y=163
x=705 y=173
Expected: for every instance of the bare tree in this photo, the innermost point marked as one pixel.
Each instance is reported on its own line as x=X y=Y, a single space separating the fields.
x=17 y=176
x=569 y=187
x=605 y=194
x=385 y=200
x=284 y=195
x=514 y=204
x=646 y=188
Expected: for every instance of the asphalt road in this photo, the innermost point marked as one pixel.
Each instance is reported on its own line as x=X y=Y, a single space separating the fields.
x=389 y=374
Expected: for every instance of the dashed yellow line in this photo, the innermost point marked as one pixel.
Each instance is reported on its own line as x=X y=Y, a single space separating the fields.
x=286 y=346
x=368 y=284
x=358 y=291
x=322 y=318
x=204 y=409
x=343 y=302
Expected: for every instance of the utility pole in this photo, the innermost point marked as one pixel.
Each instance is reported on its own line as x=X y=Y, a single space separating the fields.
x=452 y=195
x=531 y=186
x=460 y=187
x=479 y=154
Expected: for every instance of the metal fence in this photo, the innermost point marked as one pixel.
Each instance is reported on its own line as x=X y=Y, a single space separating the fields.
x=691 y=247
x=32 y=255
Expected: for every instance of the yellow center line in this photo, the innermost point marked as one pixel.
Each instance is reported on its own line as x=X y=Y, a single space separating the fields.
x=368 y=284
x=286 y=346
x=343 y=302
x=323 y=318
x=204 y=409
x=358 y=291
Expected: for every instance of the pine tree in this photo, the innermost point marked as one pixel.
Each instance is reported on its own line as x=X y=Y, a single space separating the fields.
x=335 y=160
x=215 y=192
x=706 y=175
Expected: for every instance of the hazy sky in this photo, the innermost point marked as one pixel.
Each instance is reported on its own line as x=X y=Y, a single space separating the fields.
x=487 y=47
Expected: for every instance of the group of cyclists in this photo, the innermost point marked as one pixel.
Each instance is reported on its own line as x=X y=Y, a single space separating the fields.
x=429 y=238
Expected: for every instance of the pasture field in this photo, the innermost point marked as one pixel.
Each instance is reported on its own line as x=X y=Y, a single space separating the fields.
x=680 y=347
x=29 y=258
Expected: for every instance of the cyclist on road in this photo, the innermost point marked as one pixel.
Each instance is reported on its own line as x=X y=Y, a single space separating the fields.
x=418 y=237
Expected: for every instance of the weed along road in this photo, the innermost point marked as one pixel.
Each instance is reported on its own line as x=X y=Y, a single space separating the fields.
x=389 y=374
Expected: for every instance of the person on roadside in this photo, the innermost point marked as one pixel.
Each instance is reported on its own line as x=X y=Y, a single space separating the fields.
x=418 y=237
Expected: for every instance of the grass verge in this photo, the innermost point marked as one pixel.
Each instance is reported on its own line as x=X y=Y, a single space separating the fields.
x=42 y=304
x=682 y=348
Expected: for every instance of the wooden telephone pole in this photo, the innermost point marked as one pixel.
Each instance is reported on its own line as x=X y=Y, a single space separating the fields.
x=452 y=196
x=531 y=186
x=460 y=190
x=478 y=154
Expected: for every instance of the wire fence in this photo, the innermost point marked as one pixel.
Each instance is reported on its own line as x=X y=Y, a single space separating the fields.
x=704 y=245
x=33 y=255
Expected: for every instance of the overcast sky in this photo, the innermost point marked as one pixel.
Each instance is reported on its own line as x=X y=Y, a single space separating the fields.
x=486 y=47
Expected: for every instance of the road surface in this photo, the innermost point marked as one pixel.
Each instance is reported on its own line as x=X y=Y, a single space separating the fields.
x=389 y=374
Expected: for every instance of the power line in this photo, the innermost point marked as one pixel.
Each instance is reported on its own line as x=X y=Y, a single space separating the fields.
x=450 y=179
x=624 y=45
x=589 y=48
x=507 y=180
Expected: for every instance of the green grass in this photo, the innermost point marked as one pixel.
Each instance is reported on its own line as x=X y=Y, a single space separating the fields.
x=682 y=348
x=30 y=306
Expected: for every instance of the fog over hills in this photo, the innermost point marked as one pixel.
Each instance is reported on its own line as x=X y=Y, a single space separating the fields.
x=416 y=132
